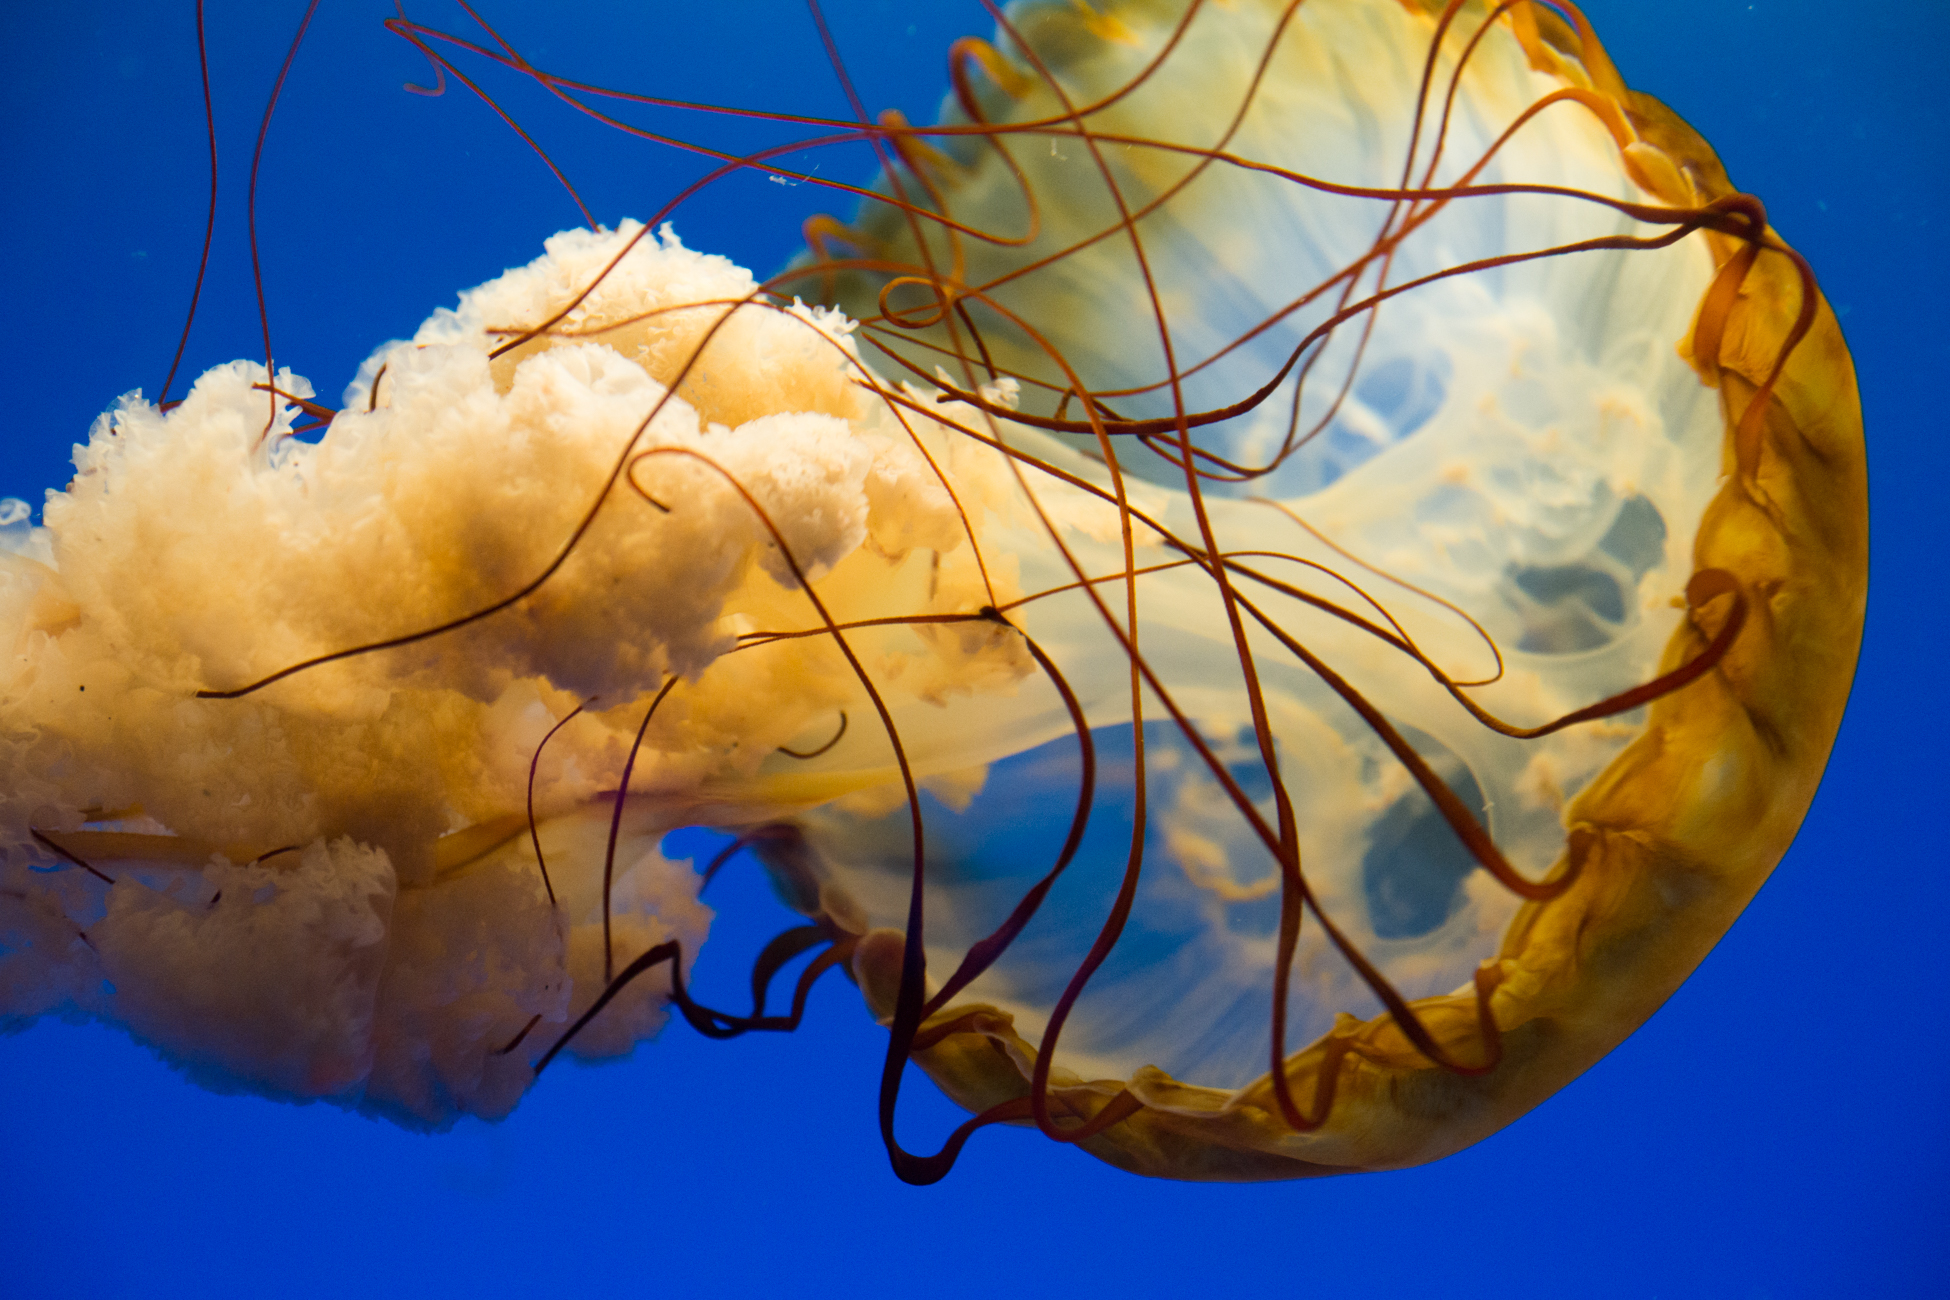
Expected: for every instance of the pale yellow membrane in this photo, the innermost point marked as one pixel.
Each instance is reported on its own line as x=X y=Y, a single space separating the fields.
x=1565 y=390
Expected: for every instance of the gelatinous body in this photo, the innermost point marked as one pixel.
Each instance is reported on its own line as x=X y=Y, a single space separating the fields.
x=1321 y=581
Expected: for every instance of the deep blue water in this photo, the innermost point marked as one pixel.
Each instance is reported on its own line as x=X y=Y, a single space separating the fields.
x=1777 y=1130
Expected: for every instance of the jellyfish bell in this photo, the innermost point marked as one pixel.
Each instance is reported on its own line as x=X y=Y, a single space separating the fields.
x=1617 y=462
x=1282 y=704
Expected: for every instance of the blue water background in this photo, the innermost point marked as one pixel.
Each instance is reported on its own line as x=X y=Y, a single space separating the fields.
x=1779 y=1129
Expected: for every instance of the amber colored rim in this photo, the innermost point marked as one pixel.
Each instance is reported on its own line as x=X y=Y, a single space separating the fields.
x=1669 y=842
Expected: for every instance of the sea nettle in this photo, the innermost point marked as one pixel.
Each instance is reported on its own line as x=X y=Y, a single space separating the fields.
x=1301 y=572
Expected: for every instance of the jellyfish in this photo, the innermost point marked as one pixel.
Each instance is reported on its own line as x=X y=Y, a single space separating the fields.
x=1267 y=599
